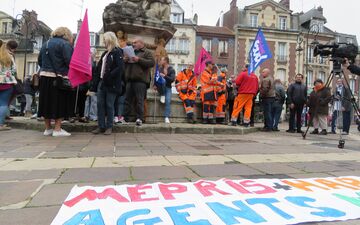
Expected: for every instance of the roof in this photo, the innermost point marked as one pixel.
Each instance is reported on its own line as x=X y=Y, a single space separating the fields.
x=270 y=2
x=5 y=15
x=312 y=14
x=188 y=21
x=214 y=30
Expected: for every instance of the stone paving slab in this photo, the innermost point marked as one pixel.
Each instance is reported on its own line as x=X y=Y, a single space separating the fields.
x=316 y=167
x=274 y=168
x=197 y=160
x=224 y=170
x=82 y=175
x=46 y=164
x=29 y=174
x=17 y=192
x=158 y=172
x=51 y=195
x=29 y=216
x=131 y=161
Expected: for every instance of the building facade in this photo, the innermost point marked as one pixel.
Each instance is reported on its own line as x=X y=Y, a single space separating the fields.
x=290 y=36
x=30 y=33
x=219 y=42
x=181 y=48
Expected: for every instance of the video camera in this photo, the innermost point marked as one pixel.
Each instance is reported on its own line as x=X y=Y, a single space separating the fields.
x=338 y=52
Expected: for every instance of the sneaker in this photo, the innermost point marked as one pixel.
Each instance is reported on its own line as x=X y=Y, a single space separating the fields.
x=323 y=132
x=299 y=131
x=116 y=119
x=138 y=122
x=122 y=120
x=290 y=131
x=97 y=131
x=233 y=123
x=167 y=120
x=276 y=129
x=344 y=133
x=48 y=132
x=316 y=131
x=162 y=99
x=61 y=133
x=108 y=131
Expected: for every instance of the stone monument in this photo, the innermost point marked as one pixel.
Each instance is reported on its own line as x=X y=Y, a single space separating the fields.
x=149 y=19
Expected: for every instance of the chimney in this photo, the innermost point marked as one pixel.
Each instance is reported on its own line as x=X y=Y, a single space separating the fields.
x=233 y=4
x=285 y=3
x=321 y=10
x=79 y=22
x=195 y=19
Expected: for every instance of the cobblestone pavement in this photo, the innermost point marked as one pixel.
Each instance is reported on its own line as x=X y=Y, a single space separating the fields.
x=37 y=173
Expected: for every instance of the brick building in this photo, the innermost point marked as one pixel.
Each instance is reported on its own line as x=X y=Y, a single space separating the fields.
x=219 y=42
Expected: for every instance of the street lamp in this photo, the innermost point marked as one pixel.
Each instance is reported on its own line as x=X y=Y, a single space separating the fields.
x=299 y=49
x=314 y=31
x=24 y=20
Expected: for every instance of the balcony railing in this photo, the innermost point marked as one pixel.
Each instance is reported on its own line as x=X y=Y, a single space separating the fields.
x=281 y=58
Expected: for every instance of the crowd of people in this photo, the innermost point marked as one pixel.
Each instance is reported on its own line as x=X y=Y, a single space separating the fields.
x=119 y=85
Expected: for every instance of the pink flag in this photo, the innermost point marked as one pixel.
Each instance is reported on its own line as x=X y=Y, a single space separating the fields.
x=200 y=63
x=80 y=64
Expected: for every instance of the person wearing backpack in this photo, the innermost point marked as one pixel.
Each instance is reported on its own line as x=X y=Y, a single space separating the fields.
x=277 y=107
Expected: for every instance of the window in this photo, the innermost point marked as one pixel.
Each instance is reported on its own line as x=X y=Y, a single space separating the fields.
x=253 y=20
x=349 y=40
x=317 y=26
x=352 y=85
x=281 y=75
x=38 y=43
x=207 y=45
x=282 y=22
x=171 y=46
x=31 y=68
x=321 y=60
x=5 y=28
x=223 y=49
x=322 y=76
x=282 y=54
x=92 y=39
x=182 y=67
x=176 y=18
x=310 y=57
x=184 y=46
x=310 y=78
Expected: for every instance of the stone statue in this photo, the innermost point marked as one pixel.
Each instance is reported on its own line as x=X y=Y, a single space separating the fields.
x=160 y=50
x=158 y=10
x=122 y=38
x=126 y=9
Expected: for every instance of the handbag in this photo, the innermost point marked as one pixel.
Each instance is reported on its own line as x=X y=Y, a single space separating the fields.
x=35 y=80
x=60 y=82
x=19 y=87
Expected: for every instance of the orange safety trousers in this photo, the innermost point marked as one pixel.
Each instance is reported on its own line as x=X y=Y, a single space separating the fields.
x=221 y=106
x=209 y=109
x=240 y=101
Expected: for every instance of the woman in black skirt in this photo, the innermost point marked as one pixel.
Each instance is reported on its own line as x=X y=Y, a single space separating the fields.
x=54 y=60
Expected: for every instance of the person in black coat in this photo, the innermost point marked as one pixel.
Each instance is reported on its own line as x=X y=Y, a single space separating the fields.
x=108 y=83
x=297 y=94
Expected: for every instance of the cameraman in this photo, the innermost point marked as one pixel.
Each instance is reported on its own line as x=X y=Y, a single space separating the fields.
x=354 y=69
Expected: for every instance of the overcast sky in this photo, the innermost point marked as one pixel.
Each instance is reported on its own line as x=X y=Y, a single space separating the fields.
x=341 y=15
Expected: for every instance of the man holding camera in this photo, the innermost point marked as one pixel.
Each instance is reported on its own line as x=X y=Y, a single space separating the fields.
x=354 y=69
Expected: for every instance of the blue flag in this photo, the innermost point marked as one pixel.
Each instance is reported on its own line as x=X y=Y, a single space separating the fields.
x=259 y=52
x=159 y=80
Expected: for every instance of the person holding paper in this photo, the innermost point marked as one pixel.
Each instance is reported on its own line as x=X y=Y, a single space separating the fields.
x=137 y=77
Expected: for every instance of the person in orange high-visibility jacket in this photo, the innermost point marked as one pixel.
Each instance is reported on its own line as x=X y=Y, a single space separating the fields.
x=221 y=98
x=185 y=84
x=209 y=88
x=248 y=86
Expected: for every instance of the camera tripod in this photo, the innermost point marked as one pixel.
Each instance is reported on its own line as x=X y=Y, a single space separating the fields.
x=352 y=100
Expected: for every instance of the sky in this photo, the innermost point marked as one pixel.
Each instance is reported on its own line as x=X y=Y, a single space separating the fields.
x=341 y=15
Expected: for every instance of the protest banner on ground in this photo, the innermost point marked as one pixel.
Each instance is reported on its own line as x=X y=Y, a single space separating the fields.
x=222 y=202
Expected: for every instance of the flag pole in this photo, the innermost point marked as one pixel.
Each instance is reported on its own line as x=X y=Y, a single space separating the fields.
x=155 y=106
x=76 y=99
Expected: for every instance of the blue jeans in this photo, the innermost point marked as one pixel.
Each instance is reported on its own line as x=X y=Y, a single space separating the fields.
x=91 y=107
x=167 y=102
x=346 y=120
x=105 y=103
x=276 y=113
x=5 y=96
x=119 y=105
x=267 y=105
